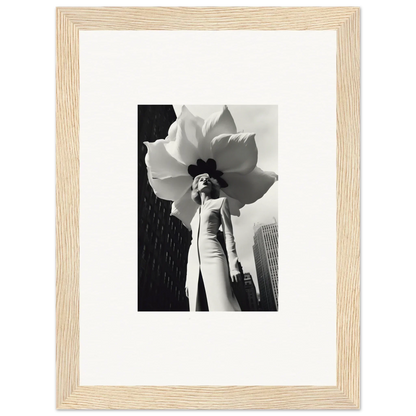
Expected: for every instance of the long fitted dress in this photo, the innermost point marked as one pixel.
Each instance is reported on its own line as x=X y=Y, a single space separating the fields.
x=206 y=257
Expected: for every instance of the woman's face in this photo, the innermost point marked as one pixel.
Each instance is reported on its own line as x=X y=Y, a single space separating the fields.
x=204 y=184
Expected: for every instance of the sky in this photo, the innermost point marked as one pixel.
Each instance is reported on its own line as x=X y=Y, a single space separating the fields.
x=262 y=120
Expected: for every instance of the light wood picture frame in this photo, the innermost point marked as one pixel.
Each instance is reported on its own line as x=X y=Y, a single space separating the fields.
x=69 y=393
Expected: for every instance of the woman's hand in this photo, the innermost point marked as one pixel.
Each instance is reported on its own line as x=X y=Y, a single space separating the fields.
x=235 y=274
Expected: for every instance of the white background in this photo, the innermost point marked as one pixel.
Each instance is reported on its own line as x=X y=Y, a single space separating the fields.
x=297 y=345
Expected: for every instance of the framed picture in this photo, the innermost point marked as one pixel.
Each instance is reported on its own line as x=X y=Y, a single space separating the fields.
x=207 y=160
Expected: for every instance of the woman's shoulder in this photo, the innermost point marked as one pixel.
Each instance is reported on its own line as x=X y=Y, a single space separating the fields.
x=221 y=201
x=217 y=203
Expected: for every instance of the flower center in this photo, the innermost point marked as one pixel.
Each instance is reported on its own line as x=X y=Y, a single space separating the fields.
x=209 y=167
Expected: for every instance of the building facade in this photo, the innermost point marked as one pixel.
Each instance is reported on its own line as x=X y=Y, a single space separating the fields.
x=251 y=293
x=266 y=257
x=163 y=240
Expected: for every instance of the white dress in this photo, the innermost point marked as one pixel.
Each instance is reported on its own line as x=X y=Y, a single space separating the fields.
x=207 y=256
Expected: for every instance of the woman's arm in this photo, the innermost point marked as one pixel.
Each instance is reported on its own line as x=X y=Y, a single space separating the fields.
x=229 y=240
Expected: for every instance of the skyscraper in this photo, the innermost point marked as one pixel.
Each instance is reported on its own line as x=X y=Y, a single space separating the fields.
x=250 y=289
x=266 y=257
x=163 y=240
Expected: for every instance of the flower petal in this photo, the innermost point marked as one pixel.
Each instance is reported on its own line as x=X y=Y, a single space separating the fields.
x=234 y=204
x=160 y=163
x=182 y=149
x=172 y=131
x=235 y=153
x=192 y=126
x=170 y=189
x=184 y=208
x=218 y=123
x=251 y=187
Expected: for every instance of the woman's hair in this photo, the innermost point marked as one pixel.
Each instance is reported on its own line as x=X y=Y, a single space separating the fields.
x=215 y=189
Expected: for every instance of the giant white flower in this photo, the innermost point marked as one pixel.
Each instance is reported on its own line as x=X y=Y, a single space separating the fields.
x=212 y=146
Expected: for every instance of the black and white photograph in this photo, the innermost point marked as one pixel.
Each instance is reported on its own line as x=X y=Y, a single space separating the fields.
x=208 y=208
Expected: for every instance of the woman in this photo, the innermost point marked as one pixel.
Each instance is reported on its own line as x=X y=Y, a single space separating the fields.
x=208 y=271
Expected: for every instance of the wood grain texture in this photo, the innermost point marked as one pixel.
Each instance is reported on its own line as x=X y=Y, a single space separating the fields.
x=348 y=207
x=69 y=394
x=67 y=209
x=208 y=397
x=208 y=18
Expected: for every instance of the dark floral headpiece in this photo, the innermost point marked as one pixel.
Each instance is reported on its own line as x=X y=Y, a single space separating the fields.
x=209 y=167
